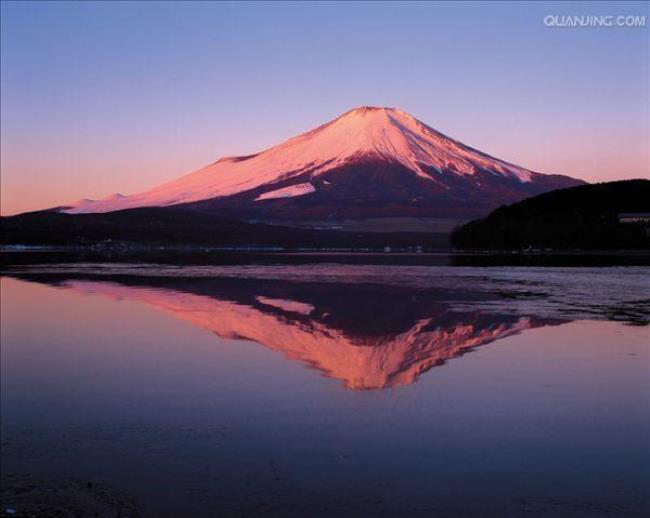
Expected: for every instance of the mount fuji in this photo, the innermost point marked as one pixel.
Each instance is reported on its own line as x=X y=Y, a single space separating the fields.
x=369 y=162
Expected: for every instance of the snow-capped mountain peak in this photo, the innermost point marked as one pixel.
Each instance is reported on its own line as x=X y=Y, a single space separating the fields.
x=383 y=135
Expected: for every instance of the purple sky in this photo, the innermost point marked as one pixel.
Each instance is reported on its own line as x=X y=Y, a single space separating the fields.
x=111 y=97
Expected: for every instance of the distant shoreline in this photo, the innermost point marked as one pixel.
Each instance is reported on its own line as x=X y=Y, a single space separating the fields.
x=317 y=251
x=12 y=260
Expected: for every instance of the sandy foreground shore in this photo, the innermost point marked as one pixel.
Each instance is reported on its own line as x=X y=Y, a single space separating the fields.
x=31 y=497
x=23 y=496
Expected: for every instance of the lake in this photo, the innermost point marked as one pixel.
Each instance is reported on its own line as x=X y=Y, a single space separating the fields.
x=331 y=389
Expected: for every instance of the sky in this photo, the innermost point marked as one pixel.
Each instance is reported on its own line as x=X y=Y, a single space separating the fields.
x=98 y=98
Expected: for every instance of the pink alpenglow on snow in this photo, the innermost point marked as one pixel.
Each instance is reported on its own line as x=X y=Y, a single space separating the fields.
x=365 y=160
x=288 y=192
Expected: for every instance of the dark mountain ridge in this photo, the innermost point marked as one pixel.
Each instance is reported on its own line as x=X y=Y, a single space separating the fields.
x=583 y=217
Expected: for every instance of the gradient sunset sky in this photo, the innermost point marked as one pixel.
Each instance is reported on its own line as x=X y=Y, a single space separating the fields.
x=99 y=98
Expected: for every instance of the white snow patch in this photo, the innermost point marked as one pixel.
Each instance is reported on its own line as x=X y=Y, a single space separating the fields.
x=299 y=189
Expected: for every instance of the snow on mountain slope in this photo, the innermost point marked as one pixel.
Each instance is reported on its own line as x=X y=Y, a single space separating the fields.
x=298 y=189
x=381 y=134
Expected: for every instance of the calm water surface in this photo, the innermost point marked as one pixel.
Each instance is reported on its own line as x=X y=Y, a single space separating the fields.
x=333 y=390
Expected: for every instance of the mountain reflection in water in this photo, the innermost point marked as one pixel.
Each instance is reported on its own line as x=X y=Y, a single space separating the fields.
x=369 y=336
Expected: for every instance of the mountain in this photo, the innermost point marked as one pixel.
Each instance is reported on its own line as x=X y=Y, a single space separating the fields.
x=369 y=162
x=586 y=217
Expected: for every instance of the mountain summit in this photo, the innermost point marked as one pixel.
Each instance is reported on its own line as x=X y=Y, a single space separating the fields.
x=369 y=162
